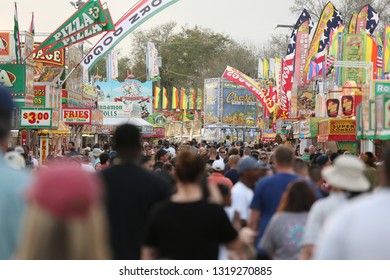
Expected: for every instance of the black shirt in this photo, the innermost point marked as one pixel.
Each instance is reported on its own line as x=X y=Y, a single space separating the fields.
x=233 y=175
x=130 y=194
x=188 y=231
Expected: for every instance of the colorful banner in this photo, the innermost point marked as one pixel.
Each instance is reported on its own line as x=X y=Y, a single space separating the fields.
x=284 y=99
x=352 y=24
x=386 y=54
x=302 y=48
x=165 y=103
x=354 y=49
x=79 y=116
x=239 y=105
x=326 y=16
x=367 y=20
x=240 y=78
x=141 y=12
x=372 y=54
x=211 y=100
x=156 y=98
x=36 y=118
x=175 y=98
x=361 y=20
x=89 y=20
x=130 y=92
x=183 y=99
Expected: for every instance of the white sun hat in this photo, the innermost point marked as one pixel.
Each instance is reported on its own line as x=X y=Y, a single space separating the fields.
x=347 y=174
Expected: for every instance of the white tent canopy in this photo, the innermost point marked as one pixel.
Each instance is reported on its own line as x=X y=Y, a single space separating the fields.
x=141 y=123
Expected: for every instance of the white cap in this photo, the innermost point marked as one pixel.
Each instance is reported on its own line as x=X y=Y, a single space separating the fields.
x=218 y=165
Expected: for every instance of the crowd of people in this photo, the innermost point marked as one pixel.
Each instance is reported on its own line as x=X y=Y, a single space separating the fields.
x=134 y=199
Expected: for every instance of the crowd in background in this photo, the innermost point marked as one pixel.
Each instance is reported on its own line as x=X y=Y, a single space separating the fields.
x=134 y=199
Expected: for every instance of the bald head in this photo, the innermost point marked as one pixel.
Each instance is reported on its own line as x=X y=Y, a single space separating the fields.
x=233 y=161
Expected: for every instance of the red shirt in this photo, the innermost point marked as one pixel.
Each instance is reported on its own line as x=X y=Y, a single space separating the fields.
x=218 y=178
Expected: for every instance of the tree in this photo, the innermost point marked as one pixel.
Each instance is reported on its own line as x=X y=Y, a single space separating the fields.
x=191 y=54
x=276 y=46
x=346 y=7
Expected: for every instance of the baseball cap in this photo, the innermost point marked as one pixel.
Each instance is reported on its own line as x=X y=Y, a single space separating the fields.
x=322 y=160
x=246 y=164
x=96 y=152
x=218 y=165
x=19 y=149
x=65 y=191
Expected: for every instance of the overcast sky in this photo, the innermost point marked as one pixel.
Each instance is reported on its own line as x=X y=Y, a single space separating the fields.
x=245 y=20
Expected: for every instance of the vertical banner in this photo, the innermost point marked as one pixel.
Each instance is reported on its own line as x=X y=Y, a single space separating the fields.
x=367 y=20
x=354 y=50
x=327 y=16
x=361 y=20
x=165 y=99
x=199 y=100
x=302 y=48
x=265 y=69
x=28 y=46
x=114 y=64
x=211 y=100
x=183 y=99
x=156 y=100
x=260 y=68
x=386 y=54
x=151 y=60
x=352 y=24
x=175 y=98
x=294 y=62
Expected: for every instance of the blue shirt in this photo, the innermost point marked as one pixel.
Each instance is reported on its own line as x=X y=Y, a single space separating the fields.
x=233 y=175
x=12 y=205
x=268 y=193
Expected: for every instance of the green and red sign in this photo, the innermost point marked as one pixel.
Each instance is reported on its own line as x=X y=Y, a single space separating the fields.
x=39 y=96
x=36 y=117
x=13 y=77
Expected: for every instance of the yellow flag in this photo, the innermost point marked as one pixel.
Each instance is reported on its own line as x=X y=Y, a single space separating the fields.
x=386 y=56
x=326 y=15
x=156 y=102
x=265 y=69
x=352 y=24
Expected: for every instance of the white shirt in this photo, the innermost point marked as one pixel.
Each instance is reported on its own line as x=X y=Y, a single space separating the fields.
x=171 y=151
x=241 y=199
x=87 y=168
x=359 y=231
x=318 y=214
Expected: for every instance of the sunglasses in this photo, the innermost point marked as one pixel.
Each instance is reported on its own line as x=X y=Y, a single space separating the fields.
x=263 y=158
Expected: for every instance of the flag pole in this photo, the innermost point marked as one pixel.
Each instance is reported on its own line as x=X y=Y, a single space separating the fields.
x=69 y=74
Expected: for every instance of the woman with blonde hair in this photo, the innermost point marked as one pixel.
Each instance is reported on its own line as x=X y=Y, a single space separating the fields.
x=64 y=218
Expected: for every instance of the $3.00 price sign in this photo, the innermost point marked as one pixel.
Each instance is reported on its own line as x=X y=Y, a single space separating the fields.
x=36 y=118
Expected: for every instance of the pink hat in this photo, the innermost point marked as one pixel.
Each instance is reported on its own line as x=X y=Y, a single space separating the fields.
x=67 y=192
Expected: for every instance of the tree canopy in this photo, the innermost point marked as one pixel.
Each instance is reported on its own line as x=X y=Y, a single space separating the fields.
x=191 y=54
